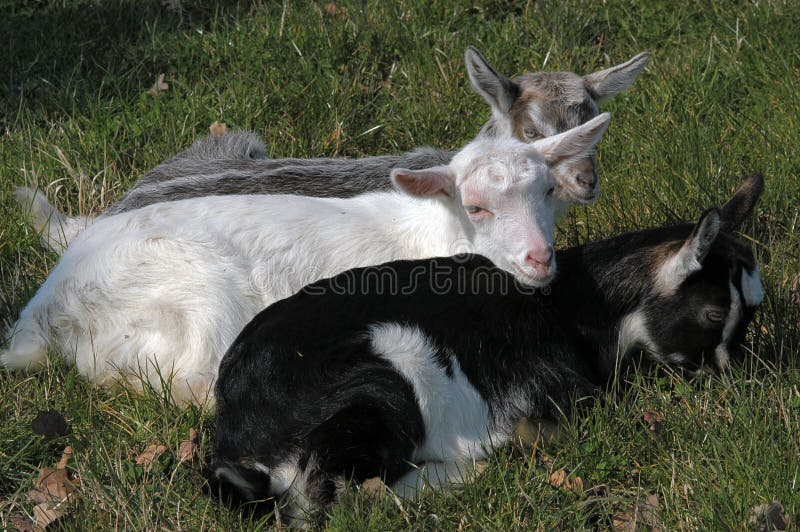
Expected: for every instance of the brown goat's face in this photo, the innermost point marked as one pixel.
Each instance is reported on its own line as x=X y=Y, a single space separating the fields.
x=542 y=104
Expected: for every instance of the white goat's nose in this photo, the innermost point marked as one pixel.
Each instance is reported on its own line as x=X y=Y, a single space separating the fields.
x=540 y=259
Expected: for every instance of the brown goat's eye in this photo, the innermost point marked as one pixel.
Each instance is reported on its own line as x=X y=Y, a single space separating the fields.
x=531 y=133
x=715 y=316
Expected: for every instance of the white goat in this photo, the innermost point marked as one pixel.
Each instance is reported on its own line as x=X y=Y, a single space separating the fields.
x=164 y=290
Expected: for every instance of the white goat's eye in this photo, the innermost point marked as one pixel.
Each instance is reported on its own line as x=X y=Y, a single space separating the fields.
x=551 y=191
x=474 y=209
x=715 y=316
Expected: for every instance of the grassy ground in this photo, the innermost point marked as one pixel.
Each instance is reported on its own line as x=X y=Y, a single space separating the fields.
x=719 y=99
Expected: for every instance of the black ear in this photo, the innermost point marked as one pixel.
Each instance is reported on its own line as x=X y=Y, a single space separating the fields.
x=703 y=235
x=741 y=205
x=689 y=258
x=499 y=91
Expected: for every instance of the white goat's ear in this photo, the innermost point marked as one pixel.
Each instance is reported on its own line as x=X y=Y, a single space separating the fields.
x=435 y=181
x=689 y=258
x=605 y=84
x=576 y=142
x=499 y=91
x=741 y=205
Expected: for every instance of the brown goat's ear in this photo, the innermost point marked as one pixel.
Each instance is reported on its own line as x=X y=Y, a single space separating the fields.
x=741 y=205
x=499 y=91
x=605 y=84
x=436 y=181
x=689 y=258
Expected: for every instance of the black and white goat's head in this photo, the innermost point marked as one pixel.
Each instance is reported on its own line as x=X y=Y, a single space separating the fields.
x=703 y=290
x=542 y=104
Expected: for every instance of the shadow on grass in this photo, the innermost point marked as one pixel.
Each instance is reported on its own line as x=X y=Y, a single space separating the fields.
x=56 y=56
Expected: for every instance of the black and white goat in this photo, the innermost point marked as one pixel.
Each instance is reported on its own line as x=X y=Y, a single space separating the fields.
x=432 y=362
x=529 y=107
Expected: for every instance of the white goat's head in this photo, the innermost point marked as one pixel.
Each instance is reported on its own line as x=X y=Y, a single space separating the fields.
x=503 y=191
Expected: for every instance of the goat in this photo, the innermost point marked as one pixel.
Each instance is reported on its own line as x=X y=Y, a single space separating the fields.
x=167 y=287
x=351 y=378
x=530 y=107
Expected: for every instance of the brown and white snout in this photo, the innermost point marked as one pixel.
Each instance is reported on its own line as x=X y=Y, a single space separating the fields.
x=577 y=181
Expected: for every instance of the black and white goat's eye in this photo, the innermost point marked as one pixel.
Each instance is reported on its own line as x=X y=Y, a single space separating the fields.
x=474 y=209
x=715 y=316
x=531 y=133
x=551 y=191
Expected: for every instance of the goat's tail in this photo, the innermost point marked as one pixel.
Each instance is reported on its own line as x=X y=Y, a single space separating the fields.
x=56 y=228
x=238 y=481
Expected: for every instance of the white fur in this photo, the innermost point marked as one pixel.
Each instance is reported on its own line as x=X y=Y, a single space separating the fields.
x=633 y=331
x=752 y=290
x=451 y=408
x=689 y=257
x=163 y=290
x=459 y=428
x=721 y=356
x=57 y=229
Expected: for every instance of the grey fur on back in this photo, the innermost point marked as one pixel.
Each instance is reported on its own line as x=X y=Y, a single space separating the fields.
x=528 y=107
x=242 y=146
x=190 y=174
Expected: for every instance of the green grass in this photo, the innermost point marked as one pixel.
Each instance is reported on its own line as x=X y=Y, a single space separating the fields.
x=719 y=99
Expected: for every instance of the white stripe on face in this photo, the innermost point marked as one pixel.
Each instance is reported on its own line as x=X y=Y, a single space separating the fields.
x=752 y=290
x=721 y=355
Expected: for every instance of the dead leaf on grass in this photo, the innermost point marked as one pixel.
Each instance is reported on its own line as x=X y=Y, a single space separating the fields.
x=768 y=517
x=45 y=513
x=334 y=11
x=23 y=523
x=560 y=479
x=218 y=129
x=53 y=484
x=52 y=492
x=532 y=433
x=187 y=450
x=158 y=87
x=654 y=423
x=645 y=511
x=150 y=456
x=375 y=486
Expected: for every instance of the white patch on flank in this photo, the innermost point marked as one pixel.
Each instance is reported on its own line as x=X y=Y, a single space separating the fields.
x=457 y=420
x=721 y=356
x=752 y=290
